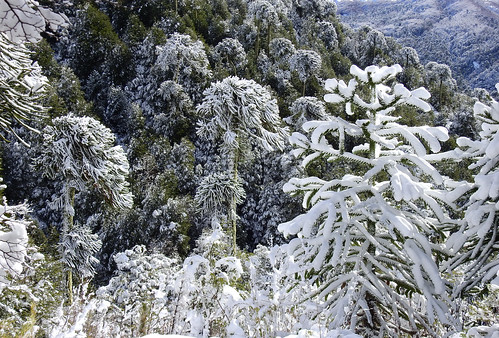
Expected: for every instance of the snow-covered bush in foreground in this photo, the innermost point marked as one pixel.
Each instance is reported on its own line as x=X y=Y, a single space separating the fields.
x=369 y=246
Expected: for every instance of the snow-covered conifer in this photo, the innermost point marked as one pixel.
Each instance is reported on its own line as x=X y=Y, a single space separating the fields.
x=78 y=248
x=476 y=243
x=281 y=50
x=327 y=33
x=409 y=57
x=23 y=85
x=230 y=53
x=438 y=78
x=234 y=111
x=306 y=63
x=375 y=41
x=305 y=109
x=265 y=14
x=320 y=9
x=182 y=58
x=216 y=191
x=81 y=152
x=439 y=73
x=370 y=242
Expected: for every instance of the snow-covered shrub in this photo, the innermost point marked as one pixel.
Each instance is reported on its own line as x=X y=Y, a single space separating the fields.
x=29 y=298
x=139 y=298
x=13 y=239
x=370 y=243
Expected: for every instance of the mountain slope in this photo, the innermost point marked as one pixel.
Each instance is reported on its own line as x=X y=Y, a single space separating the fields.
x=461 y=33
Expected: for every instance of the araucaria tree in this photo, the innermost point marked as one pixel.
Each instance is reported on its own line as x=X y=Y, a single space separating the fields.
x=81 y=152
x=476 y=242
x=369 y=244
x=235 y=111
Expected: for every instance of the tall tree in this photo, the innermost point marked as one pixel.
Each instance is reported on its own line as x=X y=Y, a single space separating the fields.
x=81 y=152
x=235 y=110
x=370 y=242
x=306 y=63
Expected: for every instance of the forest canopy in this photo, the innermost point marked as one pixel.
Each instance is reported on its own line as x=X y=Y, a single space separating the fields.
x=244 y=168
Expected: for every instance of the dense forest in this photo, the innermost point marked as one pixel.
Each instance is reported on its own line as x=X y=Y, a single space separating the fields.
x=245 y=168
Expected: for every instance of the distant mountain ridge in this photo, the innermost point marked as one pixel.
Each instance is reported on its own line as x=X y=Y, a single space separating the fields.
x=461 y=33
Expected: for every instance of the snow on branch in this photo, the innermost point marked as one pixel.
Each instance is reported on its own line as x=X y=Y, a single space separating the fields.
x=371 y=236
x=26 y=20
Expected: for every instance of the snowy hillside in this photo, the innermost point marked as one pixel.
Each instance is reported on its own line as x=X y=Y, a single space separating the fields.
x=461 y=33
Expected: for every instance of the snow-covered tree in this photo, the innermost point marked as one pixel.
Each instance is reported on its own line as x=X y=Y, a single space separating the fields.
x=369 y=246
x=230 y=53
x=281 y=50
x=375 y=41
x=265 y=16
x=235 y=110
x=81 y=152
x=175 y=114
x=182 y=59
x=22 y=86
x=306 y=63
x=476 y=243
x=305 y=109
x=327 y=33
x=320 y=9
x=215 y=193
x=27 y=21
x=409 y=57
x=78 y=248
x=438 y=78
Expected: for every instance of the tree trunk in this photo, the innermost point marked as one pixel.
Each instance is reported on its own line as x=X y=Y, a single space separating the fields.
x=67 y=227
x=233 y=205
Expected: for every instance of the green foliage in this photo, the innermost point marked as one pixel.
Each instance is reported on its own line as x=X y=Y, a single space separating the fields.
x=99 y=48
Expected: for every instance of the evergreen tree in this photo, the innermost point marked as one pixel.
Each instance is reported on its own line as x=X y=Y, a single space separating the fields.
x=233 y=111
x=81 y=152
x=306 y=63
x=475 y=244
x=370 y=242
